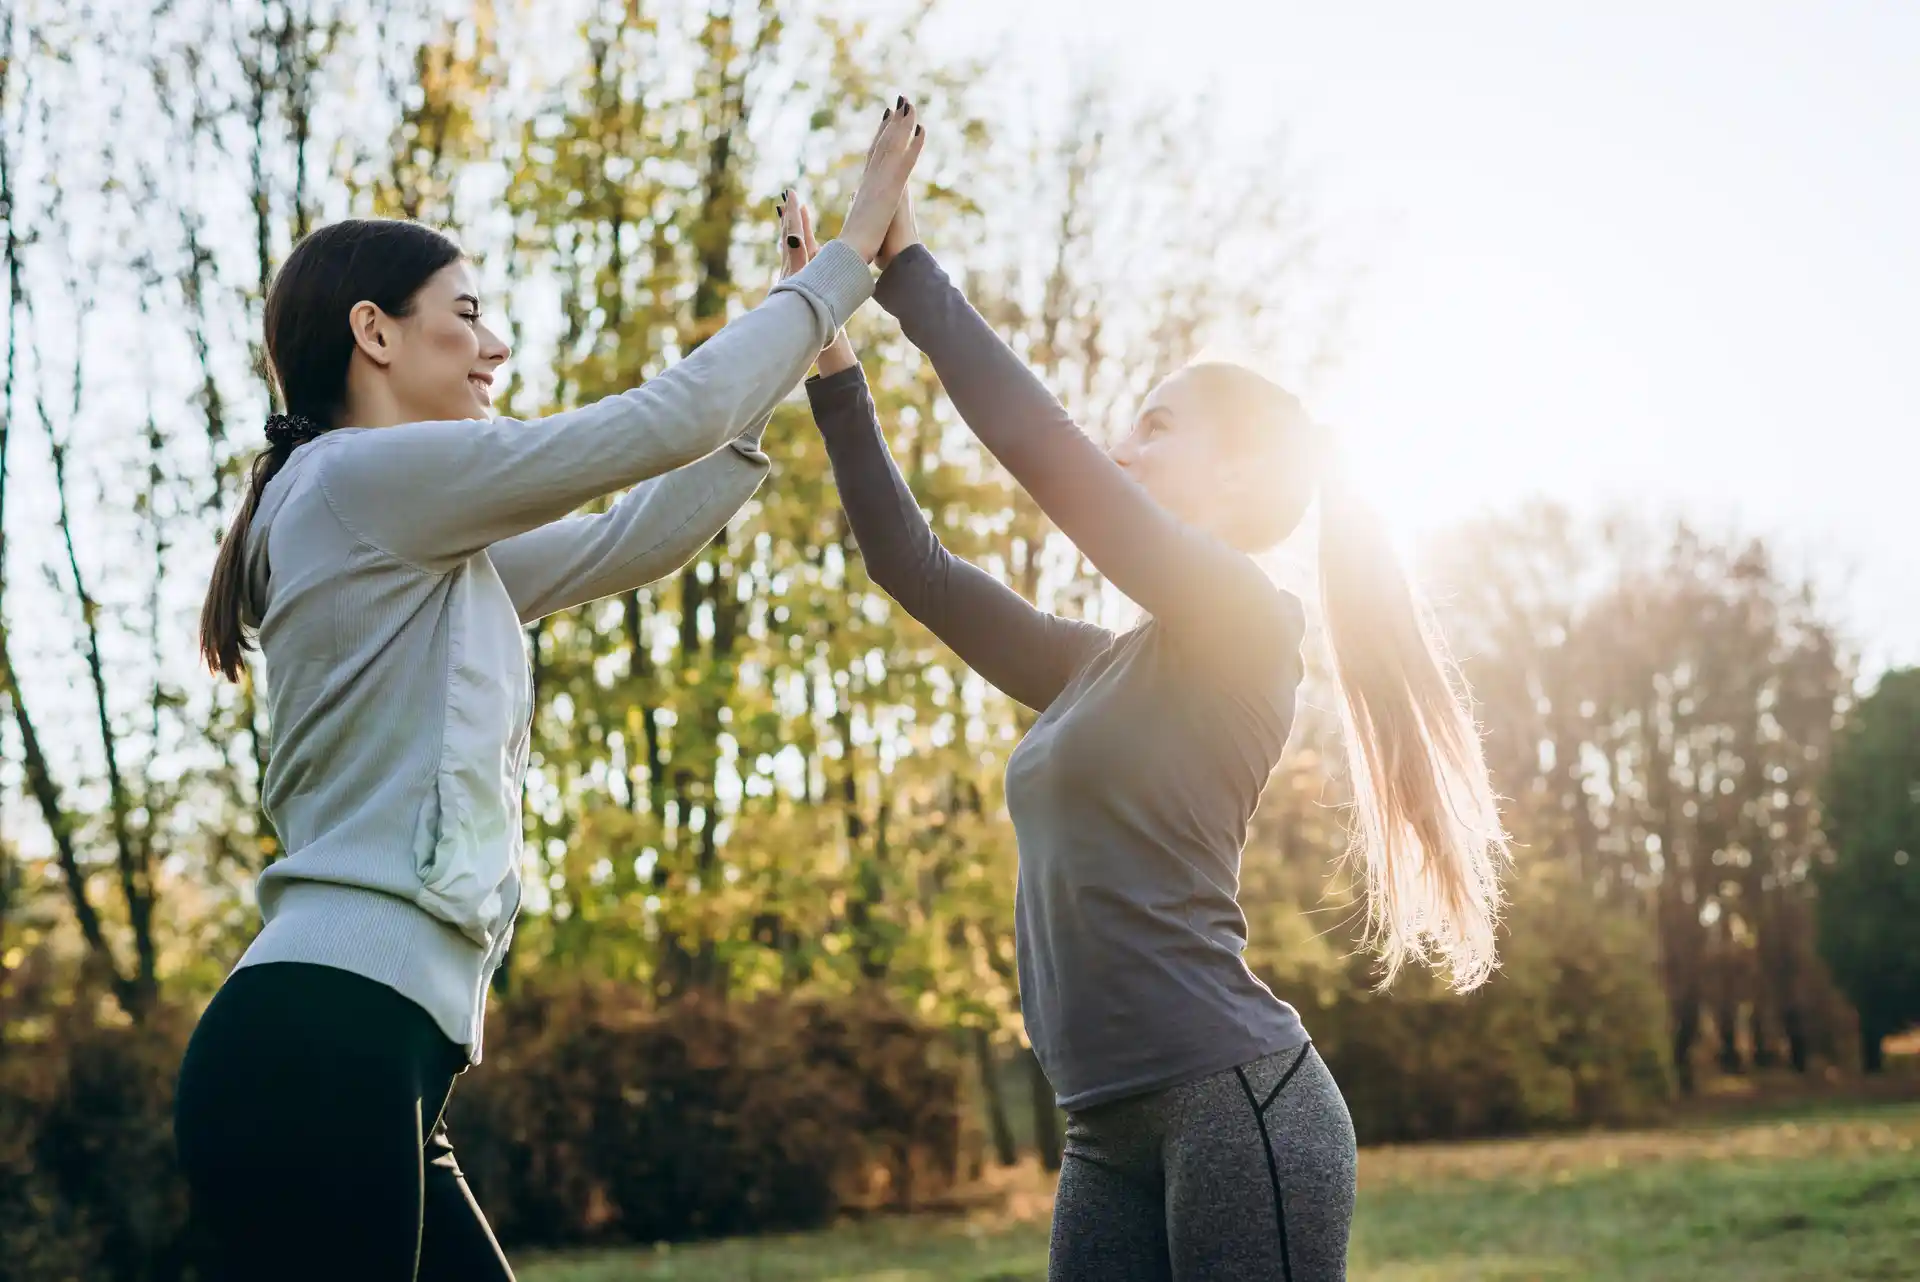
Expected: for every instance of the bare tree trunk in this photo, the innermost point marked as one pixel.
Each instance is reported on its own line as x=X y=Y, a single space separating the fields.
x=1685 y=1009
x=1726 y=1010
x=1872 y=1052
x=999 y=1126
x=715 y=218
x=639 y=673
x=1046 y=1116
x=54 y=813
x=132 y=992
x=259 y=87
x=10 y=255
x=1679 y=935
x=1727 y=1021
x=9 y=883
x=1793 y=1026
x=136 y=885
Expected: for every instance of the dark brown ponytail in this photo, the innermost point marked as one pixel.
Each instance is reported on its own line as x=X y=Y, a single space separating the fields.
x=223 y=639
x=309 y=349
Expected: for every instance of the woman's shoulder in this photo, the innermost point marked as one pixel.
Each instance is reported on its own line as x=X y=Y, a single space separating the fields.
x=300 y=529
x=1258 y=642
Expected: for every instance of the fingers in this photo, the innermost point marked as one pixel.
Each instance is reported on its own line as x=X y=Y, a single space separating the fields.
x=895 y=135
x=793 y=252
x=891 y=161
x=896 y=129
x=790 y=208
x=807 y=242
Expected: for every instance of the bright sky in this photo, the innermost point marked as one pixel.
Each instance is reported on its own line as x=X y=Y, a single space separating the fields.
x=1664 y=254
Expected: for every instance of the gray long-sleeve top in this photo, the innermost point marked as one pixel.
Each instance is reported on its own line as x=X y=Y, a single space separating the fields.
x=1132 y=793
x=390 y=570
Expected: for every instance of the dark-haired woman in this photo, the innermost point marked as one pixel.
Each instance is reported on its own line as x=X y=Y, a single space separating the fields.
x=392 y=542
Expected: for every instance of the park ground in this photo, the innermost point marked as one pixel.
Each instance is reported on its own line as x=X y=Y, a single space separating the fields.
x=1812 y=1191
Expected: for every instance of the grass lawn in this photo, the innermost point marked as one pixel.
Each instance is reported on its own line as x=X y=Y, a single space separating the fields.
x=1824 y=1196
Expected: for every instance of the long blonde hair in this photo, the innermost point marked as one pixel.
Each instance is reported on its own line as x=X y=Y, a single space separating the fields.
x=1426 y=837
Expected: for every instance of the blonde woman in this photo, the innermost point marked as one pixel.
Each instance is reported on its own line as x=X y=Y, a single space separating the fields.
x=1205 y=1137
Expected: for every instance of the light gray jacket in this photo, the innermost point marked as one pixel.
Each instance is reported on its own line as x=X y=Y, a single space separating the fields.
x=390 y=571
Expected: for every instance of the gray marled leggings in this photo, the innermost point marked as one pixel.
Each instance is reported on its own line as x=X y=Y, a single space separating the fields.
x=1245 y=1176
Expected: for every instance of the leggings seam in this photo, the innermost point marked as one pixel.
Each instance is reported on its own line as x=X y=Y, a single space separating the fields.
x=1273 y=1170
x=1285 y=1077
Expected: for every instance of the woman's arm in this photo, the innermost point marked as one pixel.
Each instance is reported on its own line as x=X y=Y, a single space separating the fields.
x=653 y=530
x=435 y=493
x=1195 y=584
x=1024 y=651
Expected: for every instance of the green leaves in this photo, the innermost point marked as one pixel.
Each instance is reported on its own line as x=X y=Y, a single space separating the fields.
x=1870 y=890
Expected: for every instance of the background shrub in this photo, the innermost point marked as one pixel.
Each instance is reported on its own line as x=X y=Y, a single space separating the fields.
x=1570 y=1032
x=594 y=1119
x=88 y=1184
x=599 y=1118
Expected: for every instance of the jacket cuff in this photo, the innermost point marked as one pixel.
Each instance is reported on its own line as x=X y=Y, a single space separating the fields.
x=838 y=279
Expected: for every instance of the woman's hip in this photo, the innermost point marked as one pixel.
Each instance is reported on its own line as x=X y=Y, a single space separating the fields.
x=292 y=1054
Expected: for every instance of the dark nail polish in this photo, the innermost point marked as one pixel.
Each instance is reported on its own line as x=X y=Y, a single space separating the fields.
x=916 y=131
x=793 y=242
x=901 y=102
x=886 y=115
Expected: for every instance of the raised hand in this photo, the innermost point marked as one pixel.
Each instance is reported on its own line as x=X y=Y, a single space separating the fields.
x=796 y=232
x=797 y=248
x=889 y=162
x=902 y=231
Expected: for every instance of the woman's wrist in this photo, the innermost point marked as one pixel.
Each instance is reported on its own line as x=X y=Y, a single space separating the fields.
x=837 y=356
x=862 y=240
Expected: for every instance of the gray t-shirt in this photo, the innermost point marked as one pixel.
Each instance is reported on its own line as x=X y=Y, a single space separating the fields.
x=1132 y=793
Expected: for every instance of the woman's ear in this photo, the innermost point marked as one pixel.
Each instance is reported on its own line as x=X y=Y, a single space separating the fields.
x=373 y=332
x=1237 y=475
x=1242 y=494
x=1252 y=486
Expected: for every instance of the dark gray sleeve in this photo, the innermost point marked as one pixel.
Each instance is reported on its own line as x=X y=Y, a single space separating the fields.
x=1198 y=587
x=1024 y=651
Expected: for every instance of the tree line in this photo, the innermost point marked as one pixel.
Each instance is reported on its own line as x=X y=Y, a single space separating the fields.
x=757 y=778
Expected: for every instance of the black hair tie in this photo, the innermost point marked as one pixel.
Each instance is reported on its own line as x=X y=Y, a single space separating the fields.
x=288 y=431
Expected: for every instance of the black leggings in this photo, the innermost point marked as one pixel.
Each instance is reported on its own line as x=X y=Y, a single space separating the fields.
x=308 y=1123
x=1246 y=1176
